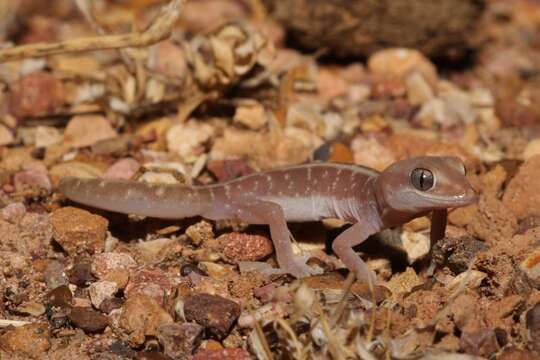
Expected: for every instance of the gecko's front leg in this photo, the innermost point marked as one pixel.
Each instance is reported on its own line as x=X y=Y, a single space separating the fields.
x=438 y=225
x=343 y=247
x=271 y=214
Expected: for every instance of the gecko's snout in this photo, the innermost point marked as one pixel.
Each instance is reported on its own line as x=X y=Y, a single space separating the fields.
x=467 y=198
x=472 y=196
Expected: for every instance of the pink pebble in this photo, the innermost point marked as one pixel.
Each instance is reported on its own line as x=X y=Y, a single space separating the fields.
x=34 y=175
x=123 y=169
x=13 y=212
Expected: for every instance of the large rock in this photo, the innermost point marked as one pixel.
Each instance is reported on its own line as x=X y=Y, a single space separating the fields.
x=437 y=28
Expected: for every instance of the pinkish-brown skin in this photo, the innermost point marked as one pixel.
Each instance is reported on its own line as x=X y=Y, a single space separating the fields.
x=371 y=200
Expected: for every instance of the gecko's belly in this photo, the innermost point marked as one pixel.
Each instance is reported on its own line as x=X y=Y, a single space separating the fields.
x=299 y=209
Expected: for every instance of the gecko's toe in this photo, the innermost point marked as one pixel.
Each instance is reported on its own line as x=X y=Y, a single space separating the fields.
x=299 y=269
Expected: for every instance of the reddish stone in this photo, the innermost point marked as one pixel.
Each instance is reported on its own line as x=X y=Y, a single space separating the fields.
x=229 y=169
x=33 y=175
x=246 y=247
x=153 y=283
x=38 y=93
x=217 y=314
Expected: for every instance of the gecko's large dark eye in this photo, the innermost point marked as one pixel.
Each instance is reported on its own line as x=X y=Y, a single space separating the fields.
x=422 y=179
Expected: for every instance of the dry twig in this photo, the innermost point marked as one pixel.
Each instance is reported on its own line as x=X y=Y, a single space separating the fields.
x=6 y=323
x=158 y=31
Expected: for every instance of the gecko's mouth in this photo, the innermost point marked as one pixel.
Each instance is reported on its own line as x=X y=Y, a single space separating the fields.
x=463 y=199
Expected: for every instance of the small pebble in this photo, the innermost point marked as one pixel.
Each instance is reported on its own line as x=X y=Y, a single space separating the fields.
x=88 y=319
x=168 y=59
x=31 y=308
x=13 y=212
x=155 y=251
x=46 y=136
x=217 y=314
x=59 y=317
x=180 y=340
x=225 y=170
x=141 y=316
x=54 y=275
x=26 y=341
x=252 y=115
x=151 y=282
x=187 y=269
x=79 y=231
x=188 y=140
x=101 y=291
x=200 y=232
x=416 y=245
x=418 y=90
x=246 y=247
x=60 y=297
x=119 y=277
x=86 y=130
x=74 y=168
x=35 y=94
x=82 y=302
x=123 y=169
x=81 y=274
x=110 y=304
x=32 y=175
x=105 y=263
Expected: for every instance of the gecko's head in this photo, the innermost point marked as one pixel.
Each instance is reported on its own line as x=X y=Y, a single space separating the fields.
x=425 y=183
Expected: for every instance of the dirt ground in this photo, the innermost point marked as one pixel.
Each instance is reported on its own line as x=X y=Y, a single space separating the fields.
x=223 y=94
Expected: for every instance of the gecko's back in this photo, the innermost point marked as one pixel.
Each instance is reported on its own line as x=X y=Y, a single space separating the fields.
x=305 y=192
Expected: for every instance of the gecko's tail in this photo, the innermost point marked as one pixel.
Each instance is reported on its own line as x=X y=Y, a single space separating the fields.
x=139 y=198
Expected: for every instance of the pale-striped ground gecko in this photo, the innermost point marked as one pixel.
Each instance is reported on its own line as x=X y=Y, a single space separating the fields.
x=371 y=200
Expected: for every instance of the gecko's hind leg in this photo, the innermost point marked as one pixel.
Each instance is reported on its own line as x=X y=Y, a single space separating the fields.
x=271 y=214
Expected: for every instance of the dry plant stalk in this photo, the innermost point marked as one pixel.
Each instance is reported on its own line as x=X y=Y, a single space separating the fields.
x=158 y=31
x=5 y=323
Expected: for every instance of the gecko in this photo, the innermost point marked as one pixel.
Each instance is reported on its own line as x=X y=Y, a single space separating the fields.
x=369 y=199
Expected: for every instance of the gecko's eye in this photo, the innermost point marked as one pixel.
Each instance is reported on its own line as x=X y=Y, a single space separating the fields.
x=422 y=179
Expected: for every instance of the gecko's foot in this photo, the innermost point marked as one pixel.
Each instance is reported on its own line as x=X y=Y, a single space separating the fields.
x=298 y=267
x=367 y=276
